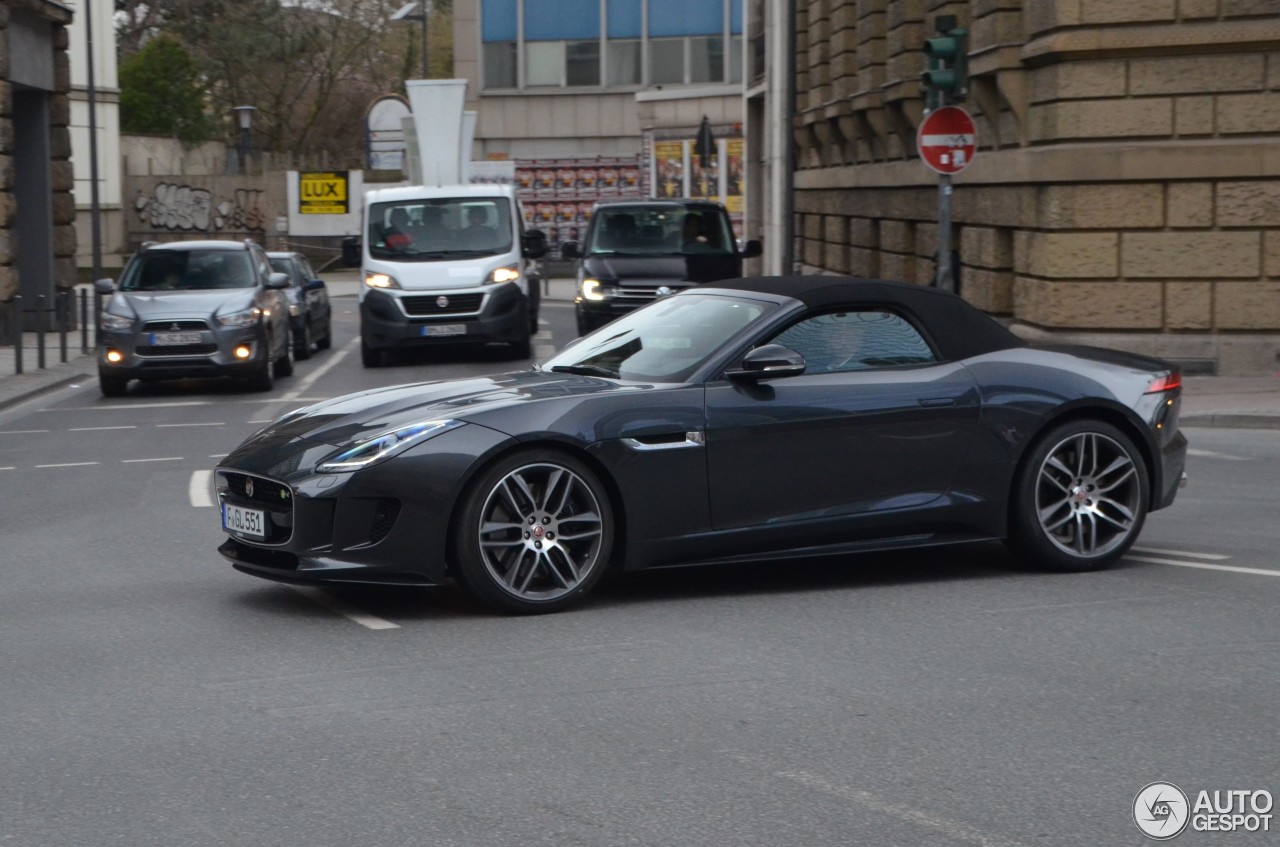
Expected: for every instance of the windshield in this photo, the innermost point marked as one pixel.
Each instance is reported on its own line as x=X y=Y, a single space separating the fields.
x=641 y=231
x=665 y=341
x=443 y=228
x=189 y=270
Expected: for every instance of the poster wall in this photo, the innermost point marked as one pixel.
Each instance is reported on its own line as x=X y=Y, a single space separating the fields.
x=677 y=172
x=557 y=195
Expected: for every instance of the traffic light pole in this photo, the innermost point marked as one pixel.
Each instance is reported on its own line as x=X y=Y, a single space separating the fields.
x=946 y=82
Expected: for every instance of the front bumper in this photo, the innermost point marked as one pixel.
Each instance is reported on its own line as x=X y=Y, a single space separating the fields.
x=213 y=355
x=417 y=319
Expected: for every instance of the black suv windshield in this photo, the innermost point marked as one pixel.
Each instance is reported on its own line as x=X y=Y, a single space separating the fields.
x=440 y=228
x=189 y=270
x=659 y=230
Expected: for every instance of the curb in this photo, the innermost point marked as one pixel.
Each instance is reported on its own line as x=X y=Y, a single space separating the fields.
x=1230 y=421
x=20 y=396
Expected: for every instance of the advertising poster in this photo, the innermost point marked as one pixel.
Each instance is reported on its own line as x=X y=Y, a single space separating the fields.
x=668 y=163
x=559 y=194
x=545 y=179
x=735 y=174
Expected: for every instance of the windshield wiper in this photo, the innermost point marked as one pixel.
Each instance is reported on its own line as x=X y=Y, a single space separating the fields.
x=586 y=370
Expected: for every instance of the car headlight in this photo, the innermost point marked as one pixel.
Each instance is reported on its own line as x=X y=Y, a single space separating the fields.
x=594 y=289
x=294 y=310
x=380 y=281
x=248 y=317
x=384 y=446
x=510 y=273
x=114 y=322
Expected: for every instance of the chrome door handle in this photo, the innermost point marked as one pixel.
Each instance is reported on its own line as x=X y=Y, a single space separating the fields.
x=666 y=442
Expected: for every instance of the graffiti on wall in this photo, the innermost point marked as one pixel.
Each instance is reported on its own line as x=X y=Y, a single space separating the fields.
x=187 y=208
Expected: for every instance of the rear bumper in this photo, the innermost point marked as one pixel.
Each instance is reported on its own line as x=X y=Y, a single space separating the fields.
x=1173 y=459
x=503 y=316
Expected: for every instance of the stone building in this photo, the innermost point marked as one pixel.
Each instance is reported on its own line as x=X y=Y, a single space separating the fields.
x=1127 y=185
x=37 y=212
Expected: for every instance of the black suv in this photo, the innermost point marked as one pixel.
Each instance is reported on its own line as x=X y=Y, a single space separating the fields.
x=638 y=250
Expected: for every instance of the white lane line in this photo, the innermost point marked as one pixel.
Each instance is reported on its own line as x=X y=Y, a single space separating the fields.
x=351 y=613
x=1209 y=454
x=207 y=423
x=129 y=406
x=952 y=829
x=8 y=469
x=218 y=455
x=200 y=489
x=307 y=381
x=165 y=459
x=99 y=428
x=68 y=465
x=1213 y=557
x=24 y=432
x=262 y=420
x=1204 y=566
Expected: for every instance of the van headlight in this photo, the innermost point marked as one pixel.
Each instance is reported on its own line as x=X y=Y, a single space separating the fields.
x=510 y=273
x=383 y=446
x=374 y=280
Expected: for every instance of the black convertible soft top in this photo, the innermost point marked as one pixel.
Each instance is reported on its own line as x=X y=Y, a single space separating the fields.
x=957 y=328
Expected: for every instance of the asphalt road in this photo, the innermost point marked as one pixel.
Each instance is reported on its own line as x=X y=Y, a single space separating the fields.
x=150 y=695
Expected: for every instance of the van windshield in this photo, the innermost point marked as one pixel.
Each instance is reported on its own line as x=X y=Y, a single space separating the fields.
x=438 y=229
x=646 y=231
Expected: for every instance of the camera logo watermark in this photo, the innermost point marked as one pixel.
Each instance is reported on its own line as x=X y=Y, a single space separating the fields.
x=1162 y=811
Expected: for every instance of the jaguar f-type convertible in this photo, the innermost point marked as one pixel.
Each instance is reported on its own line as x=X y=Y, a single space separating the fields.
x=764 y=418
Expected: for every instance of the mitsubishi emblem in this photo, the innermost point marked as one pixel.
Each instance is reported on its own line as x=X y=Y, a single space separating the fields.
x=442 y=302
x=174 y=328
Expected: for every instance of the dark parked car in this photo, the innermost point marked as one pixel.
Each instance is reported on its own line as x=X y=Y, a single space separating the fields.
x=309 y=312
x=638 y=250
x=194 y=309
x=770 y=418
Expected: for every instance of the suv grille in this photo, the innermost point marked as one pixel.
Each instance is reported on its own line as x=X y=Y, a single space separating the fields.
x=176 y=350
x=425 y=306
x=630 y=292
x=174 y=326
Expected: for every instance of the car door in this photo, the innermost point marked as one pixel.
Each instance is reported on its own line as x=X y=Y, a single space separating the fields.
x=317 y=298
x=876 y=422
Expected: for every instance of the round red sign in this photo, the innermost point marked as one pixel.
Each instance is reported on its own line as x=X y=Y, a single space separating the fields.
x=947 y=140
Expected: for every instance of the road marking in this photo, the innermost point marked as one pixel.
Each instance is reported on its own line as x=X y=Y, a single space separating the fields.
x=200 y=490
x=8 y=469
x=165 y=459
x=99 y=428
x=351 y=613
x=209 y=423
x=1204 y=566
x=951 y=829
x=68 y=465
x=218 y=455
x=310 y=379
x=129 y=406
x=262 y=420
x=24 y=432
x=1209 y=454
x=1213 y=557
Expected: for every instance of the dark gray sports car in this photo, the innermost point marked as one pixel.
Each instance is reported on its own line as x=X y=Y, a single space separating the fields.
x=768 y=418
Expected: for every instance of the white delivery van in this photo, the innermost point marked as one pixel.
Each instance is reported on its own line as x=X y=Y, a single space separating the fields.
x=446 y=265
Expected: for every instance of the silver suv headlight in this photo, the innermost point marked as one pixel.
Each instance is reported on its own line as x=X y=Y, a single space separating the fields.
x=114 y=322
x=248 y=317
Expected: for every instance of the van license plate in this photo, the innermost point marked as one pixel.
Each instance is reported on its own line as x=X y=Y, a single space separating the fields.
x=432 y=330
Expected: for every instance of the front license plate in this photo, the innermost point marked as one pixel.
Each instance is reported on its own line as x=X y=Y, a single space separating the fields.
x=247 y=521
x=444 y=329
x=162 y=339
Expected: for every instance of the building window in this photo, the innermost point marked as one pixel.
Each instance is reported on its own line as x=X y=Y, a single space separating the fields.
x=666 y=61
x=543 y=63
x=500 y=64
x=624 y=62
x=706 y=59
x=735 y=59
x=582 y=63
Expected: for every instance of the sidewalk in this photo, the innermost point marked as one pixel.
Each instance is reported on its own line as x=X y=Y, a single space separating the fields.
x=1244 y=402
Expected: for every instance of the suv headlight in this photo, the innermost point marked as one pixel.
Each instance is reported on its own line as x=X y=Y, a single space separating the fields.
x=114 y=322
x=248 y=317
x=384 y=446
x=510 y=273
x=373 y=280
x=595 y=290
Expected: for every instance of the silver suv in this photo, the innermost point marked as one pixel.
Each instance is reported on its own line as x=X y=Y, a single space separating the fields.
x=194 y=309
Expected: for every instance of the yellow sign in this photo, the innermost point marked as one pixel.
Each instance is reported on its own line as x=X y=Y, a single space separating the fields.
x=322 y=192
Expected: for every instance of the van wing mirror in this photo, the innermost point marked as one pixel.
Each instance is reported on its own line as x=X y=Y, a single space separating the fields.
x=535 y=244
x=752 y=249
x=570 y=250
x=351 y=249
x=768 y=362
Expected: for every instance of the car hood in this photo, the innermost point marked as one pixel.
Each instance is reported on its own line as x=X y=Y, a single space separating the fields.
x=346 y=420
x=695 y=267
x=159 y=305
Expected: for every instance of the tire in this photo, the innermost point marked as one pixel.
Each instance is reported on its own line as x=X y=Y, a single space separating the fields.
x=113 y=386
x=369 y=357
x=264 y=379
x=1080 y=499
x=527 y=499
x=302 y=347
x=325 y=341
x=523 y=348
x=535 y=300
x=284 y=364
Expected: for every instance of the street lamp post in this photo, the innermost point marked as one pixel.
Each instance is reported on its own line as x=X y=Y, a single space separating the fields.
x=244 y=114
x=416 y=12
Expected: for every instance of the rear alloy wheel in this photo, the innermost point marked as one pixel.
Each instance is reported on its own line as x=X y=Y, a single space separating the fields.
x=535 y=534
x=112 y=386
x=1081 y=499
x=302 y=349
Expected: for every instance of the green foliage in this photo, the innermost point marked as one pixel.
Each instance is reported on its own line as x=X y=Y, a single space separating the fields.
x=162 y=92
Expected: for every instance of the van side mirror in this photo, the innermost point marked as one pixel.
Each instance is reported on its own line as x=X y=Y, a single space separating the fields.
x=104 y=287
x=351 y=249
x=752 y=249
x=535 y=244
x=570 y=250
x=767 y=362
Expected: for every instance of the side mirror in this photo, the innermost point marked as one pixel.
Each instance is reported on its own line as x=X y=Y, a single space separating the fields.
x=752 y=249
x=570 y=250
x=535 y=244
x=277 y=280
x=313 y=285
x=351 y=249
x=104 y=287
x=768 y=362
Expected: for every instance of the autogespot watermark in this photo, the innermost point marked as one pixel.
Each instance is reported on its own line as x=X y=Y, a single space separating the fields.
x=1162 y=811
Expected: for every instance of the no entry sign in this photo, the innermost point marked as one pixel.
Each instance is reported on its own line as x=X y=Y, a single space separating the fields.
x=947 y=140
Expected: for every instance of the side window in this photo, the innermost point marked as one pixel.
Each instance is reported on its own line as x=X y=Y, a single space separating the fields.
x=308 y=273
x=856 y=340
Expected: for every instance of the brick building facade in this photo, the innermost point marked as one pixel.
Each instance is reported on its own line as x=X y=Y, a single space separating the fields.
x=1127 y=187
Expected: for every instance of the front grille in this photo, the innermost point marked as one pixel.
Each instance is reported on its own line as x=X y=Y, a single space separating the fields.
x=427 y=306
x=174 y=326
x=176 y=349
x=643 y=294
x=272 y=497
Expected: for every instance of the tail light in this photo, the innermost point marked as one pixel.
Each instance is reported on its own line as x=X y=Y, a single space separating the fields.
x=1168 y=382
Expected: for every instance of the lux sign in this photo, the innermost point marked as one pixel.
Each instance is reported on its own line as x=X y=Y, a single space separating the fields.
x=322 y=192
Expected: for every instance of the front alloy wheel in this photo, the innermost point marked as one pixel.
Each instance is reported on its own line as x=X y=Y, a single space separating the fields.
x=536 y=533
x=1083 y=497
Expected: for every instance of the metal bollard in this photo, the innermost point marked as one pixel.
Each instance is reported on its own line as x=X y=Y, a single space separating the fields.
x=40 y=331
x=17 y=333
x=63 y=311
x=84 y=321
